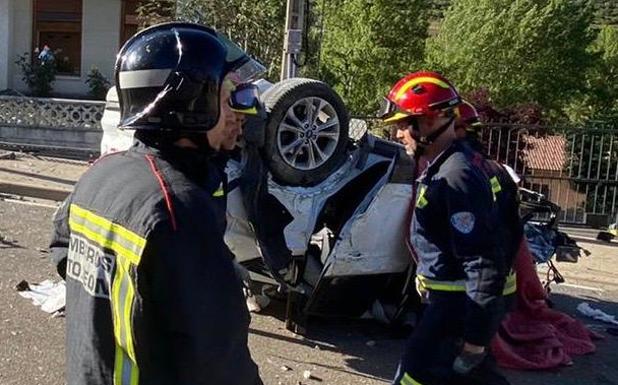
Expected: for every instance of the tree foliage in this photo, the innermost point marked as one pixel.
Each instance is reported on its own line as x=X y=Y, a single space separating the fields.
x=532 y=51
x=606 y=12
x=531 y=60
x=368 y=45
x=150 y=12
x=256 y=27
x=600 y=99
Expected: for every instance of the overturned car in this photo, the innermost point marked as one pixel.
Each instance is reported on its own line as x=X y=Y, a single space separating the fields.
x=319 y=210
x=322 y=209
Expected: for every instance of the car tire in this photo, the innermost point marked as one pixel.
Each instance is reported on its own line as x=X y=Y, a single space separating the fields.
x=306 y=135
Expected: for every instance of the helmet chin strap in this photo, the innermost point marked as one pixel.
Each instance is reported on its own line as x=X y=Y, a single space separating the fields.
x=428 y=140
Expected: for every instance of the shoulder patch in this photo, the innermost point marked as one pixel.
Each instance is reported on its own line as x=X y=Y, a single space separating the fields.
x=463 y=222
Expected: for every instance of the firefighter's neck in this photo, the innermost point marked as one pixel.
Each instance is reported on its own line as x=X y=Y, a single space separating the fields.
x=440 y=144
x=186 y=143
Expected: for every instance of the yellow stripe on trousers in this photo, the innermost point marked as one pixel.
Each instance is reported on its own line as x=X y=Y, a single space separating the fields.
x=423 y=284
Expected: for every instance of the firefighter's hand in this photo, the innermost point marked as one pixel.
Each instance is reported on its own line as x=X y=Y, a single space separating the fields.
x=470 y=357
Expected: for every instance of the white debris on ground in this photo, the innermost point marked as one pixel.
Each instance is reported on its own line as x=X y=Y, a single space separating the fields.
x=48 y=295
x=597 y=314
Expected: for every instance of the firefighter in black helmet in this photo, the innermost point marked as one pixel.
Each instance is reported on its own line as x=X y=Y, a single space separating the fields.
x=152 y=296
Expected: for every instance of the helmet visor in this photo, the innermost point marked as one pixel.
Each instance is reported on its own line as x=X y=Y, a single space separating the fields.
x=390 y=113
x=387 y=109
x=244 y=69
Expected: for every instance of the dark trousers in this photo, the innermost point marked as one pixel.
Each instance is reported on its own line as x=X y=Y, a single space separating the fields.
x=435 y=343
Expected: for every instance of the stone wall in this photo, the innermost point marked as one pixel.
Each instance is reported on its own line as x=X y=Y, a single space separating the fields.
x=53 y=123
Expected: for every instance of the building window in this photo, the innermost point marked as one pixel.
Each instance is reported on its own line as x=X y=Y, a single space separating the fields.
x=58 y=25
x=129 y=22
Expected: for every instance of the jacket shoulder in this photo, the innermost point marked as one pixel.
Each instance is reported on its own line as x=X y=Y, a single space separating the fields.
x=123 y=189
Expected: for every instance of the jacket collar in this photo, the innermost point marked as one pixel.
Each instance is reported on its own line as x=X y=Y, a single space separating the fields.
x=433 y=167
x=193 y=163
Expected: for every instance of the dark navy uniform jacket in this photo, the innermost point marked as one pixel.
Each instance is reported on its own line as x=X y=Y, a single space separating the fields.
x=457 y=233
x=152 y=295
x=506 y=195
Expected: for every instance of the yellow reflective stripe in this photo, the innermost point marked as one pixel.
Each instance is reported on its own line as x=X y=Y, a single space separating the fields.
x=128 y=248
x=408 y=380
x=104 y=242
x=413 y=82
x=495 y=186
x=116 y=310
x=118 y=365
x=107 y=234
x=218 y=193
x=421 y=201
x=424 y=284
x=510 y=286
x=396 y=117
x=127 y=312
x=123 y=295
x=247 y=111
x=431 y=284
x=126 y=371
x=108 y=225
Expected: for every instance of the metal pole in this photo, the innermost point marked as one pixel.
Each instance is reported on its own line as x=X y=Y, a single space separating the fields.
x=292 y=42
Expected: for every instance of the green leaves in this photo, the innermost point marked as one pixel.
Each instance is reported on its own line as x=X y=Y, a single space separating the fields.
x=600 y=99
x=368 y=45
x=256 y=27
x=520 y=50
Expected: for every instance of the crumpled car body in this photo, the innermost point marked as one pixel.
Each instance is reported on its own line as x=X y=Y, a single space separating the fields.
x=343 y=232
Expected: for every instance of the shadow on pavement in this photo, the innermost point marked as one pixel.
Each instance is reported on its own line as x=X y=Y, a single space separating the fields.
x=593 y=241
x=372 y=350
x=6 y=243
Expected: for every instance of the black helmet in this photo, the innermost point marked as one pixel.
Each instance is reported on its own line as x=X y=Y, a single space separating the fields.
x=168 y=77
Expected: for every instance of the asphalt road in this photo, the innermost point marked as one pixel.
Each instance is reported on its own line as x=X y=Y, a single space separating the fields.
x=339 y=353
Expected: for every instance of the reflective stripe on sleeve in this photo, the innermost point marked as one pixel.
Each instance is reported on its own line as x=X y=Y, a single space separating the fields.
x=127 y=248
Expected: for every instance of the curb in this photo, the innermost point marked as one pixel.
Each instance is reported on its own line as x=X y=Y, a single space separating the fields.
x=47 y=193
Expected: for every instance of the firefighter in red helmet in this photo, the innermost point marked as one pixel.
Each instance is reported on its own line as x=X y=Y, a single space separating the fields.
x=463 y=270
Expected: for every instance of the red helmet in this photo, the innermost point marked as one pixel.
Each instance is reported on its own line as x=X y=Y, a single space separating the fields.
x=467 y=116
x=421 y=93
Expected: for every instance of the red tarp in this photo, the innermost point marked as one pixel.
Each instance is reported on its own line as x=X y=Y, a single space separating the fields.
x=534 y=336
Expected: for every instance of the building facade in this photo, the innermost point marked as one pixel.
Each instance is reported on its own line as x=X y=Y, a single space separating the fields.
x=82 y=33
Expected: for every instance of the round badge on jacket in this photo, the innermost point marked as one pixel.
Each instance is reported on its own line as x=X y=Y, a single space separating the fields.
x=463 y=222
